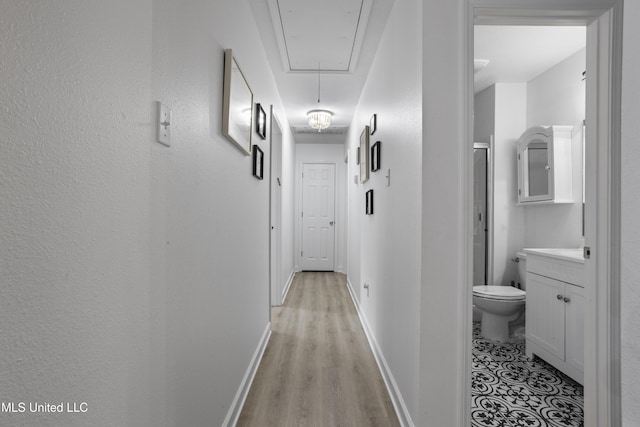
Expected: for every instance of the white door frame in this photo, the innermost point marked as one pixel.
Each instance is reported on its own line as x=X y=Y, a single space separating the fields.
x=602 y=217
x=275 y=215
x=490 y=202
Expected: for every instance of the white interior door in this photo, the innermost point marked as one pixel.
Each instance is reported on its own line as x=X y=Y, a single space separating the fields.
x=318 y=210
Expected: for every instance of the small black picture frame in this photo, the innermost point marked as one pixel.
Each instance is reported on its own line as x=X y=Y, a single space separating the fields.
x=373 y=124
x=375 y=156
x=369 y=202
x=258 y=162
x=261 y=121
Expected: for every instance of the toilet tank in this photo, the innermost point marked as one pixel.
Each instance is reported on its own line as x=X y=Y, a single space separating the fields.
x=522 y=270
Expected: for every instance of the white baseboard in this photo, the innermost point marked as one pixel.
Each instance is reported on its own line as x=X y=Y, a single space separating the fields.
x=392 y=387
x=285 y=292
x=241 y=395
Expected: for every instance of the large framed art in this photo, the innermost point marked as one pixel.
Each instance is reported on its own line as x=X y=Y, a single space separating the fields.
x=364 y=155
x=237 y=107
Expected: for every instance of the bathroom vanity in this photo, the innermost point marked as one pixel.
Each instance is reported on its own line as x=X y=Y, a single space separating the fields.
x=555 y=309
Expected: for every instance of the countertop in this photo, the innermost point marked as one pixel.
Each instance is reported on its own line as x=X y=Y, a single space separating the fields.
x=574 y=255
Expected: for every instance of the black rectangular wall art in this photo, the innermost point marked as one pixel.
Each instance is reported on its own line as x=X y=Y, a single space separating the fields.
x=369 y=203
x=375 y=156
x=258 y=162
x=261 y=121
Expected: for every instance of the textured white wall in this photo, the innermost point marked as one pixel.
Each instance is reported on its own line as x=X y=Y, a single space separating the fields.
x=134 y=276
x=324 y=153
x=389 y=240
x=630 y=318
x=74 y=184
x=557 y=97
x=215 y=234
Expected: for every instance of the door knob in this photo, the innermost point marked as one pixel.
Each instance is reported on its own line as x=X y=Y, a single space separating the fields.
x=559 y=296
x=330 y=222
x=566 y=299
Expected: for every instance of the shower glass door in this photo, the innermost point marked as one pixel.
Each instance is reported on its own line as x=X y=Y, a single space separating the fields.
x=481 y=179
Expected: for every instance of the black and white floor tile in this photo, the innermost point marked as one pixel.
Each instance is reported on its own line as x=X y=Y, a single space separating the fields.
x=510 y=390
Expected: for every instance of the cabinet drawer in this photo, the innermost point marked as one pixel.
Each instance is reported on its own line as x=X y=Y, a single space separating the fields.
x=565 y=271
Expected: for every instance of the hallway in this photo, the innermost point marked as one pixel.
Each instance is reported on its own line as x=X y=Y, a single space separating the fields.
x=318 y=368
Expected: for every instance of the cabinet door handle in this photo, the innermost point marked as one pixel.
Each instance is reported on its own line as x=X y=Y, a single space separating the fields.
x=566 y=299
x=559 y=296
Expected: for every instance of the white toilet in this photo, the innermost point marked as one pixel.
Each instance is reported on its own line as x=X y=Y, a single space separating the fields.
x=501 y=305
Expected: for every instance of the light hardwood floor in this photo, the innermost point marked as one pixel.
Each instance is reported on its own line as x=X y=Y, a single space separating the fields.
x=317 y=369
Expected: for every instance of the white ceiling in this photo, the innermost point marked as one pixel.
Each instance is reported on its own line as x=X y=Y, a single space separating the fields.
x=519 y=53
x=340 y=37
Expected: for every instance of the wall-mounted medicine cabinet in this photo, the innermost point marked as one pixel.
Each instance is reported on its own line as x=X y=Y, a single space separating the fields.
x=544 y=165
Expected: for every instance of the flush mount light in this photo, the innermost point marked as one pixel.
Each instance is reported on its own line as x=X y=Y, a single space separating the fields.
x=319 y=119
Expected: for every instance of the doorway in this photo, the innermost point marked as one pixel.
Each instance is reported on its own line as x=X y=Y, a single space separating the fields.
x=275 y=210
x=318 y=216
x=602 y=315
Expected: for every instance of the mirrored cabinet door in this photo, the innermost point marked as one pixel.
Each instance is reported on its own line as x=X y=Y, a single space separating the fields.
x=536 y=180
x=544 y=165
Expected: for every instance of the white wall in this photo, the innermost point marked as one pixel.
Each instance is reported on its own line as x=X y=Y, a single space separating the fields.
x=216 y=228
x=557 y=97
x=508 y=218
x=446 y=297
x=484 y=114
x=500 y=111
x=384 y=250
x=324 y=153
x=630 y=298
x=134 y=276
x=74 y=184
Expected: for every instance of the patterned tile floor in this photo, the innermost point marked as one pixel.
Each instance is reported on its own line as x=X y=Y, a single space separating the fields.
x=510 y=390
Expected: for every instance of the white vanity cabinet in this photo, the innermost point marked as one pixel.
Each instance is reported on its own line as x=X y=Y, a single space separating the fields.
x=544 y=165
x=555 y=310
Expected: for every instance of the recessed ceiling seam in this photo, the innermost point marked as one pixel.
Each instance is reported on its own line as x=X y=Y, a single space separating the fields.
x=353 y=45
x=284 y=35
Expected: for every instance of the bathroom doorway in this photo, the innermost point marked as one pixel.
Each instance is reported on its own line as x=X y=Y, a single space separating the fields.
x=512 y=95
x=602 y=316
x=482 y=188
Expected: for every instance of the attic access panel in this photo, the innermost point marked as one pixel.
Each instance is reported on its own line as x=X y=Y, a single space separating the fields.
x=326 y=35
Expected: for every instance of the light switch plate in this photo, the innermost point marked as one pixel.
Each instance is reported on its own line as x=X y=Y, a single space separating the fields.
x=164 y=124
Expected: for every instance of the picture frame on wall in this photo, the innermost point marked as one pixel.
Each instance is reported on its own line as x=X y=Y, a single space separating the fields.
x=375 y=156
x=369 y=202
x=237 y=107
x=261 y=121
x=357 y=155
x=258 y=162
x=373 y=124
x=364 y=155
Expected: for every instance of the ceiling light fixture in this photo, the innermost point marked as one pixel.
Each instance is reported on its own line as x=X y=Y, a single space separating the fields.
x=319 y=119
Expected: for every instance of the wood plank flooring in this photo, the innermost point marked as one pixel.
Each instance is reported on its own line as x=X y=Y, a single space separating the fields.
x=317 y=369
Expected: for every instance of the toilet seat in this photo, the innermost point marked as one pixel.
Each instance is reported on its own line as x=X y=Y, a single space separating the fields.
x=499 y=293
